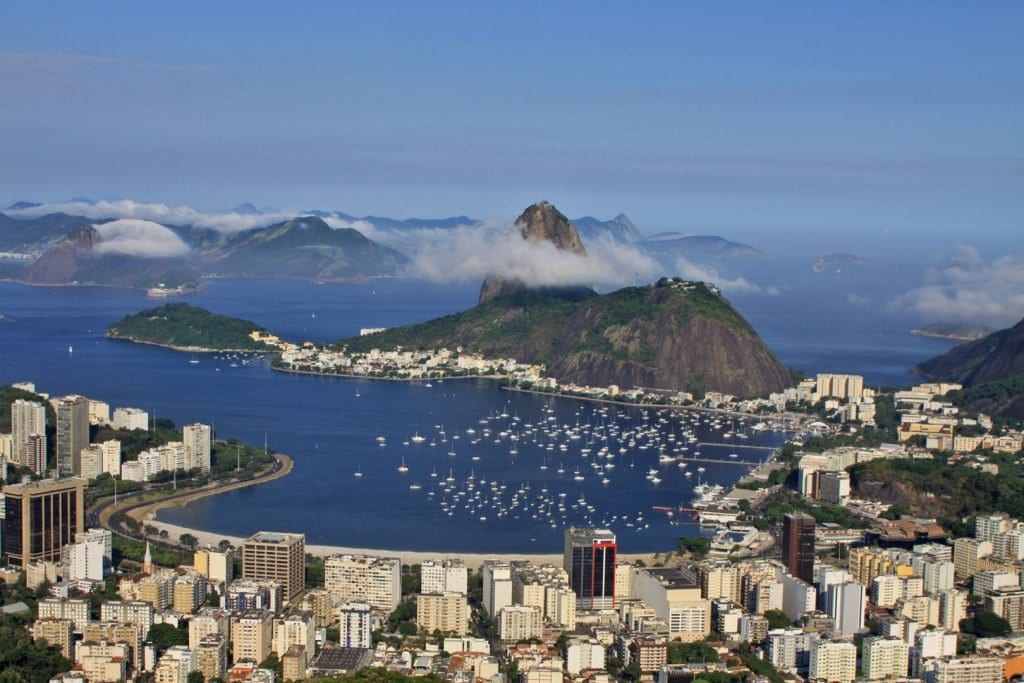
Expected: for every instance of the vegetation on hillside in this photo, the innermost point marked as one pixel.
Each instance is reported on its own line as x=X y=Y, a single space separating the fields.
x=945 y=490
x=185 y=326
x=21 y=658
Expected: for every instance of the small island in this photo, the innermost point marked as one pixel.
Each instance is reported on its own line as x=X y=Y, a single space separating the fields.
x=952 y=331
x=184 y=327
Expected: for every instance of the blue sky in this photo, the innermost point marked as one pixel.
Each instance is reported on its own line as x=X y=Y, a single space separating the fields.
x=746 y=119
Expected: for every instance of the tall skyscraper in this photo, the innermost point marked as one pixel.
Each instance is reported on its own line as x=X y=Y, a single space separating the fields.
x=72 y=433
x=27 y=418
x=197 y=446
x=798 y=545
x=280 y=557
x=40 y=518
x=590 y=558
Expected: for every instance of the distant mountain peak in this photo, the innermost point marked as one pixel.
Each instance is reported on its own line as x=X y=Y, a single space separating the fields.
x=247 y=209
x=22 y=205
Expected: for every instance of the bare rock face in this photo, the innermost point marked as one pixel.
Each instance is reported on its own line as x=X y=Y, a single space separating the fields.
x=540 y=222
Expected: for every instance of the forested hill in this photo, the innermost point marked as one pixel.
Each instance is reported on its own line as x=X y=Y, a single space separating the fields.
x=183 y=326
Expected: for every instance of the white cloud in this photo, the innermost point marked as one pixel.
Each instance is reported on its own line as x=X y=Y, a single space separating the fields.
x=706 y=273
x=968 y=288
x=159 y=213
x=496 y=248
x=363 y=226
x=139 y=238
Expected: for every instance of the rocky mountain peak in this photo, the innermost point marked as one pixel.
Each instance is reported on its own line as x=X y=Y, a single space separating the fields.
x=540 y=222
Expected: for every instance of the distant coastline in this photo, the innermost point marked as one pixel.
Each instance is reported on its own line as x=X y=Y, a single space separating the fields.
x=952 y=333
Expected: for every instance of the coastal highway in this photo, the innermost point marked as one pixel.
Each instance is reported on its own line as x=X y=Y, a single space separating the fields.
x=102 y=513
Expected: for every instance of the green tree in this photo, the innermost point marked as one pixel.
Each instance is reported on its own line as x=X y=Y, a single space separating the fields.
x=986 y=625
x=164 y=636
x=777 y=619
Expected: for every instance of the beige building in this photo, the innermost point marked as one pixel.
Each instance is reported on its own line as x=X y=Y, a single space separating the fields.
x=834 y=661
x=132 y=612
x=103 y=661
x=212 y=656
x=377 y=580
x=295 y=628
x=884 y=658
x=276 y=556
x=445 y=612
x=294 y=663
x=114 y=632
x=175 y=665
x=964 y=670
x=719 y=580
x=157 y=589
x=519 y=622
x=189 y=593
x=209 y=622
x=252 y=635
x=218 y=566
x=56 y=632
x=321 y=604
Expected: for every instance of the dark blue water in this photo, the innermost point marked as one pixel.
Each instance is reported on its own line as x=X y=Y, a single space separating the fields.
x=330 y=425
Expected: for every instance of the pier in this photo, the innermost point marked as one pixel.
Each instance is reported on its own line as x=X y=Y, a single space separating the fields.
x=736 y=445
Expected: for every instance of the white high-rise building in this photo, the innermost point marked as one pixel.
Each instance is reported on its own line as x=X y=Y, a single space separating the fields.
x=789 y=649
x=72 y=433
x=884 y=658
x=449 y=576
x=987 y=526
x=952 y=608
x=97 y=535
x=931 y=644
x=497 y=580
x=83 y=561
x=131 y=418
x=845 y=604
x=355 y=624
x=834 y=661
x=197 y=438
x=27 y=418
x=111 y=459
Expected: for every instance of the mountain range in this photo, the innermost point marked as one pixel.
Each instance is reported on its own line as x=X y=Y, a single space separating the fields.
x=310 y=246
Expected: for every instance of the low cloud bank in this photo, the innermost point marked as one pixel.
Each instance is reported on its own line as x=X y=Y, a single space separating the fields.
x=968 y=288
x=139 y=238
x=158 y=213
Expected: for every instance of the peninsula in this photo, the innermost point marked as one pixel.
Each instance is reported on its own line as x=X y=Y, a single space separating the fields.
x=184 y=327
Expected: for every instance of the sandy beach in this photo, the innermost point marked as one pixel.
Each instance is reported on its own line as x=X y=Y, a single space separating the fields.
x=407 y=556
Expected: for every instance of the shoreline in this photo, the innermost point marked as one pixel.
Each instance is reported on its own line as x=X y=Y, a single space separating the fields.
x=472 y=559
x=382 y=379
x=186 y=349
